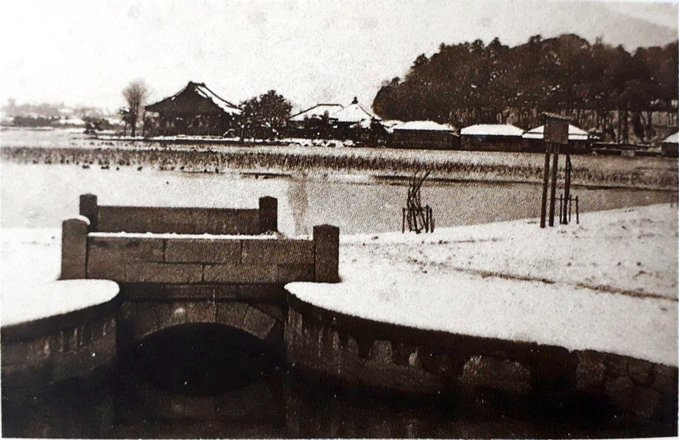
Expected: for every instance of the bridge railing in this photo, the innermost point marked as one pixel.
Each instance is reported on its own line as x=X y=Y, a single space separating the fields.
x=185 y=256
x=180 y=220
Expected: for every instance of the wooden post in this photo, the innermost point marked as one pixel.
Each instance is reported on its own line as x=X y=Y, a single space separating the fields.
x=545 y=183
x=74 y=249
x=326 y=252
x=577 y=211
x=403 y=221
x=90 y=209
x=552 y=193
x=560 y=208
x=567 y=186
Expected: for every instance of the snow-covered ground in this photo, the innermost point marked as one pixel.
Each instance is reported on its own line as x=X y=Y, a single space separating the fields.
x=608 y=284
x=29 y=267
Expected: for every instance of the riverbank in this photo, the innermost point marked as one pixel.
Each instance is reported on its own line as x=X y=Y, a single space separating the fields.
x=588 y=171
x=608 y=284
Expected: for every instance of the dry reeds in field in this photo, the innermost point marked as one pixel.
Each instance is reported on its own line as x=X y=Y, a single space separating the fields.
x=656 y=173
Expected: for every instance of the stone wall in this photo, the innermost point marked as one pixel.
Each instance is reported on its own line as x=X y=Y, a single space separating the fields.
x=197 y=260
x=640 y=387
x=53 y=349
x=360 y=352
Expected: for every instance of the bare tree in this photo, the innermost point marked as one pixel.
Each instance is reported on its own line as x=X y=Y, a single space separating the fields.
x=135 y=95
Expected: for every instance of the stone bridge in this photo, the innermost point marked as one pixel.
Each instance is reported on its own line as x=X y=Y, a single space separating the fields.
x=178 y=266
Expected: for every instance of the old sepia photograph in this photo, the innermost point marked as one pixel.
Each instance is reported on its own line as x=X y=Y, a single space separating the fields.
x=339 y=219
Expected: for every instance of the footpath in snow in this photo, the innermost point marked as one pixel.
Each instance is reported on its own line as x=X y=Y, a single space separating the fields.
x=608 y=284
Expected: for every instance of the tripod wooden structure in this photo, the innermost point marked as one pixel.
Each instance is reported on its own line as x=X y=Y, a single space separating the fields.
x=418 y=218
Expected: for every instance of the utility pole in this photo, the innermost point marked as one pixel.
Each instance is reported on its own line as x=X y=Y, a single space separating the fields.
x=567 y=190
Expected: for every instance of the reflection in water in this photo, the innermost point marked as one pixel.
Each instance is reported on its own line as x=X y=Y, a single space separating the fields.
x=354 y=205
x=199 y=359
x=148 y=398
x=299 y=203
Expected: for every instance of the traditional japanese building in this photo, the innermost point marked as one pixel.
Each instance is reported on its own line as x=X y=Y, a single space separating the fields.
x=356 y=123
x=424 y=135
x=670 y=145
x=195 y=110
x=491 y=137
x=579 y=141
x=317 y=112
x=315 y=122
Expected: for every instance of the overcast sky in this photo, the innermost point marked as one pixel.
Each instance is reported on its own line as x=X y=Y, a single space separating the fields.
x=86 y=51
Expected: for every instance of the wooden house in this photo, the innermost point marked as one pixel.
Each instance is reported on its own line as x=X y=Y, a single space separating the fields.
x=354 y=122
x=195 y=110
x=670 y=145
x=314 y=123
x=579 y=141
x=491 y=137
x=423 y=135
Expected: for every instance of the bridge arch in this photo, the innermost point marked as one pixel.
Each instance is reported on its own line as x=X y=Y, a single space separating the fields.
x=140 y=319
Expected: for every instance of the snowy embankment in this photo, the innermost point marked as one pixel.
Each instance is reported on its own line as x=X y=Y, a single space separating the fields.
x=29 y=267
x=608 y=284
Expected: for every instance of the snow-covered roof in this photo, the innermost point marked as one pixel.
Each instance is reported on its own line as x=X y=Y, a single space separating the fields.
x=182 y=100
x=316 y=111
x=574 y=133
x=225 y=105
x=491 y=130
x=353 y=113
x=423 y=125
x=672 y=139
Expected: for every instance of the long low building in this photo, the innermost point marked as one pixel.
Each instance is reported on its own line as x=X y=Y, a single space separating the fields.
x=670 y=145
x=491 y=137
x=579 y=141
x=423 y=134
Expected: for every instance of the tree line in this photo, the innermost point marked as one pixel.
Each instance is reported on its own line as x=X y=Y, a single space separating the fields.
x=603 y=88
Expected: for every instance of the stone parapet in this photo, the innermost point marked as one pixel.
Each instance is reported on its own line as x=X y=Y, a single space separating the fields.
x=361 y=352
x=180 y=220
x=42 y=352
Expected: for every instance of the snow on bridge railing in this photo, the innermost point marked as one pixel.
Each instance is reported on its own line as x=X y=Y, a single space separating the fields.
x=180 y=220
x=164 y=256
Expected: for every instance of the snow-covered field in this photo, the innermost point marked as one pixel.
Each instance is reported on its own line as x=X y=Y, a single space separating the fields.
x=29 y=267
x=608 y=284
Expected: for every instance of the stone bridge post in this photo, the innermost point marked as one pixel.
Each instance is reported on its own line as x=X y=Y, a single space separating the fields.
x=90 y=209
x=74 y=248
x=268 y=214
x=326 y=249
